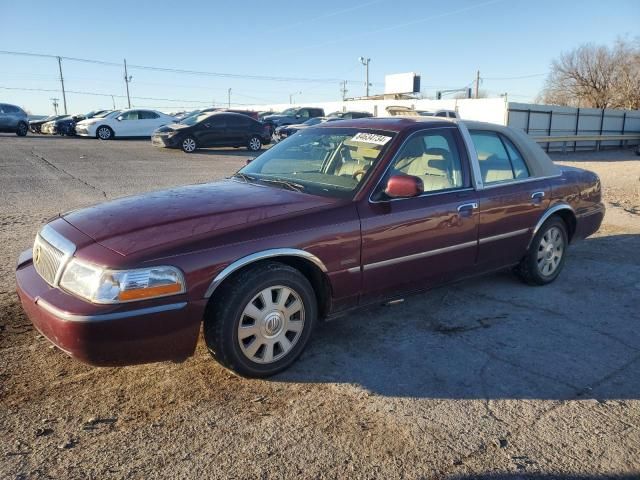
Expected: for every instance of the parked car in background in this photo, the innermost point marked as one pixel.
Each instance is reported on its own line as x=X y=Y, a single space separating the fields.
x=290 y=116
x=341 y=215
x=13 y=119
x=350 y=115
x=287 y=130
x=36 y=125
x=134 y=122
x=67 y=125
x=213 y=129
x=402 y=111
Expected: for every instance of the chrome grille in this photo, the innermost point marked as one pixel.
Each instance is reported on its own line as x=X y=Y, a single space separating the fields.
x=48 y=259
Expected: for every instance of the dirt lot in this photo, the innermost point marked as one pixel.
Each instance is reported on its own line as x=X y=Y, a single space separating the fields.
x=485 y=378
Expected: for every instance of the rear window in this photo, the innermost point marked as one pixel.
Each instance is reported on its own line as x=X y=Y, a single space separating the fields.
x=498 y=158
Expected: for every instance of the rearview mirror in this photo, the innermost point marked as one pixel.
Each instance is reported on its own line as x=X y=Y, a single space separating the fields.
x=404 y=186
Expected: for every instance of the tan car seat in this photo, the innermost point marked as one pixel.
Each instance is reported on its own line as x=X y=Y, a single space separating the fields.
x=493 y=168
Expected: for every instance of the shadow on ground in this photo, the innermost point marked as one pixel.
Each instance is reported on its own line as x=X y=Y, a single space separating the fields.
x=496 y=338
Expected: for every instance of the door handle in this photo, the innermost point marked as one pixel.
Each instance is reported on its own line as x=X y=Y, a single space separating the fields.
x=467 y=206
x=536 y=197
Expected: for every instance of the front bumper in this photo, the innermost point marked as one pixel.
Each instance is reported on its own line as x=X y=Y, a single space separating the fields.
x=165 y=141
x=83 y=131
x=109 y=335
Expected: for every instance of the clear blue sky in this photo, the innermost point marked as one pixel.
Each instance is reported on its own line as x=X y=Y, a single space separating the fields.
x=444 y=41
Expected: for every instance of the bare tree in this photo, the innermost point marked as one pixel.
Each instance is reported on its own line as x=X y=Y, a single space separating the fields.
x=595 y=76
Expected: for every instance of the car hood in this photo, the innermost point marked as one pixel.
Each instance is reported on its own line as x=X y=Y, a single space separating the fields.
x=90 y=121
x=169 y=217
x=171 y=127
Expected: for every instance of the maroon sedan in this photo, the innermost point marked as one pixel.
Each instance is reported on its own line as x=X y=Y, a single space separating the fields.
x=336 y=217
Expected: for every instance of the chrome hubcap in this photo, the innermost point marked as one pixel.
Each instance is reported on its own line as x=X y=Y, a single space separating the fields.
x=271 y=324
x=104 y=133
x=254 y=144
x=550 y=251
x=189 y=145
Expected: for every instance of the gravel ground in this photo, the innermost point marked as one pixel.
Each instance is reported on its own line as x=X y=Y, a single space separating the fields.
x=485 y=378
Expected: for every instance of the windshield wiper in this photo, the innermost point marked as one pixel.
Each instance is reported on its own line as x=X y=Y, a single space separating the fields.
x=244 y=176
x=296 y=187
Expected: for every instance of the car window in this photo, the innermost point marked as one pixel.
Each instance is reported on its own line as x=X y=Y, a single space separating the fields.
x=452 y=115
x=441 y=114
x=147 y=115
x=11 y=109
x=494 y=159
x=432 y=156
x=131 y=115
x=520 y=169
x=237 y=121
x=304 y=113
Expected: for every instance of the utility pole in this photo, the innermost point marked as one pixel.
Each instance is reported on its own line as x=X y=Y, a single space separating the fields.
x=113 y=101
x=54 y=101
x=343 y=90
x=365 y=62
x=64 y=95
x=477 y=83
x=291 y=96
x=229 y=97
x=127 y=79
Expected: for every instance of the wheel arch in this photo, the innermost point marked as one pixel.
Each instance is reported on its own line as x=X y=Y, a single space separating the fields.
x=113 y=132
x=562 y=210
x=305 y=262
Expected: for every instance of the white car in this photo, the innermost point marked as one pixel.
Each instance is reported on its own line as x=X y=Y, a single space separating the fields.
x=134 y=122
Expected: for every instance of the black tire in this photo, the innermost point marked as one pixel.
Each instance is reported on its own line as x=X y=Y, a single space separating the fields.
x=22 y=129
x=104 y=132
x=254 y=144
x=226 y=311
x=530 y=269
x=188 y=144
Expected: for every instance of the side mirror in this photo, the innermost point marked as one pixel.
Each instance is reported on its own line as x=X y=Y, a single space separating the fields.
x=404 y=186
x=120 y=118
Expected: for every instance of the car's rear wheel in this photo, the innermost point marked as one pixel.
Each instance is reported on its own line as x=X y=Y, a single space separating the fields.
x=545 y=258
x=254 y=144
x=22 y=129
x=188 y=145
x=104 y=133
x=261 y=320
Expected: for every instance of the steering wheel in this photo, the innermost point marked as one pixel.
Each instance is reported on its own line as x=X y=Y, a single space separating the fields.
x=358 y=173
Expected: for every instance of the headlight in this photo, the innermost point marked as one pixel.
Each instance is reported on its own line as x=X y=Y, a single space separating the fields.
x=102 y=285
x=172 y=133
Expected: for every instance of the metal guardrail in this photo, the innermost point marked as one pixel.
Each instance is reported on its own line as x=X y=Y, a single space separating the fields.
x=574 y=139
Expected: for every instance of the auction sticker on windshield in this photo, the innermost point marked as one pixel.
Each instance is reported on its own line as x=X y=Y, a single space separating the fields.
x=370 y=138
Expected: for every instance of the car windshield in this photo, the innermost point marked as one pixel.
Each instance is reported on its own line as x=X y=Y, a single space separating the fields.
x=107 y=113
x=193 y=119
x=312 y=121
x=330 y=162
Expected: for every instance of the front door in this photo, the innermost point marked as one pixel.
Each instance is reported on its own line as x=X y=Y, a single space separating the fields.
x=212 y=131
x=510 y=204
x=413 y=243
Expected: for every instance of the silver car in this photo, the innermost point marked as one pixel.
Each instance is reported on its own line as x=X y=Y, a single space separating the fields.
x=13 y=120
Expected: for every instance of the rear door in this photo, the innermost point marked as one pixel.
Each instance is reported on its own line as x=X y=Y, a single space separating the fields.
x=412 y=243
x=511 y=202
x=148 y=121
x=3 y=117
x=237 y=127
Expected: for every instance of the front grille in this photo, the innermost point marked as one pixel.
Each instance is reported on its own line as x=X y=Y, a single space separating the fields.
x=47 y=259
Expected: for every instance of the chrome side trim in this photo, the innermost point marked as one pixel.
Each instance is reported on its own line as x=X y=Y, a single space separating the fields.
x=550 y=211
x=598 y=209
x=70 y=317
x=515 y=233
x=354 y=269
x=254 y=257
x=429 y=253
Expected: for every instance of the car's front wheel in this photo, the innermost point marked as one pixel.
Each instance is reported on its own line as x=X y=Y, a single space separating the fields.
x=188 y=145
x=104 y=133
x=546 y=255
x=261 y=320
x=22 y=129
x=254 y=144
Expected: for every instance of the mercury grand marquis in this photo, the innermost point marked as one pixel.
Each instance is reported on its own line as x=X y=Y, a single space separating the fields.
x=336 y=217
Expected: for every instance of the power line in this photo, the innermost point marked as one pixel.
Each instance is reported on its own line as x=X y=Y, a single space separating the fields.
x=533 y=75
x=179 y=70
